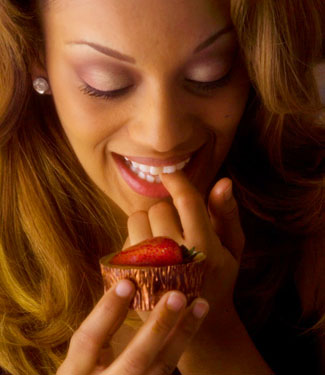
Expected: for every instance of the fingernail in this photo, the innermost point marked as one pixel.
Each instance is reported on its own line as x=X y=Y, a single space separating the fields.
x=175 y=301
x=200 y=309
x=124 y=288
x=227 y=194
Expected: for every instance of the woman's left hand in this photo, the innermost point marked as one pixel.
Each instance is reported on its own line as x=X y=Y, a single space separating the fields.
x=214 y=230
x=222 y=345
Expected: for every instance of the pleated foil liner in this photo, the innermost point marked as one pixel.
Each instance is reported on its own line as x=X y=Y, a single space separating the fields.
x=152 y=282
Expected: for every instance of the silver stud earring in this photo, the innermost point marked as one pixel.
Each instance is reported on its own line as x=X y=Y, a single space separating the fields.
x=40 y=85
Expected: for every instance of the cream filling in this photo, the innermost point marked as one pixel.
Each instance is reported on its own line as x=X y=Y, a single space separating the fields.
x=151 y=173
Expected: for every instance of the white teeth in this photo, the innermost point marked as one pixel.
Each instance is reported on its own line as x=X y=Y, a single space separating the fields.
x=134 y=169
x=135 y=164
x=169 y=169
x=144 y=168
x=151 y=173
x=142 y=175
x=155 y=170
x=150 y=178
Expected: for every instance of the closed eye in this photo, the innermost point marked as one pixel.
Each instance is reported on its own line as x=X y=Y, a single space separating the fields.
x=88 y=90
x=210 y=85
x=193 y=85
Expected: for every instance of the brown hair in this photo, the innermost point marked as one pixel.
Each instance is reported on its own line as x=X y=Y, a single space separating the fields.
x=55 y=222
x=277 y=159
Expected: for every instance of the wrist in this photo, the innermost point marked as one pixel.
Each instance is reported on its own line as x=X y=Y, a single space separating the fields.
x=223 y=347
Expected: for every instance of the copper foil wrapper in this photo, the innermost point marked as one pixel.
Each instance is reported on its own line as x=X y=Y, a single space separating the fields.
x=152 y=282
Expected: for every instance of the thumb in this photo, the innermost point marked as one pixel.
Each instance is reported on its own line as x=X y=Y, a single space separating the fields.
x=224 y=216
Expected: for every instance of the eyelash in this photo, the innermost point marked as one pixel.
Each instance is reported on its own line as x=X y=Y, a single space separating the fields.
x=201 y=86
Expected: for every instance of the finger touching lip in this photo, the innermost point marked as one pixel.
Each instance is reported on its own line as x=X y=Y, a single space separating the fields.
x=176 y=183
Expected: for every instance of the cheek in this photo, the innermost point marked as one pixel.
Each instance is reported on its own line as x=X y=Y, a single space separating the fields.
x=83 y=121
x=86 y=120
x=224 y=113
x=231 y=102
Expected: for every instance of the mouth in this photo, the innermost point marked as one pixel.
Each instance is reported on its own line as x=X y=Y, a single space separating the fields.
x=144 y=178
x=151 y=173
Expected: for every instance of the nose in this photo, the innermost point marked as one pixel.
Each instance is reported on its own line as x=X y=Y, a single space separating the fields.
x=160 y=122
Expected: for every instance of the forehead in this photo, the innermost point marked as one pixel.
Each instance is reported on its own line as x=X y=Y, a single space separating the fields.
x=124 y=22
x=143 y=6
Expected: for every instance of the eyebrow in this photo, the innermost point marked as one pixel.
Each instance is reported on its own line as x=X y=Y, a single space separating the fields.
x=213 y=38
x=120 y=56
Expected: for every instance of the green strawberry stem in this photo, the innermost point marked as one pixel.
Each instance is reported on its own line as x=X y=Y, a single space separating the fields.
x=188 y=255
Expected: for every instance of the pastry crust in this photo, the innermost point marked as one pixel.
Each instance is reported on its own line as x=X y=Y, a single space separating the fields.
x=152 y=282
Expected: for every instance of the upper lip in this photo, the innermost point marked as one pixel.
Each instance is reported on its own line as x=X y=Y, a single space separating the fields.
x=159 y=162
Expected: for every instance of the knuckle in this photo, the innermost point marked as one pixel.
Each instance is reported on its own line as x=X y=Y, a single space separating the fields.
x=135 y=363
x=136 y=216
x=192 y=199
x=83 y=338
x=159 y=208
x=162 y=324
x=231 y=212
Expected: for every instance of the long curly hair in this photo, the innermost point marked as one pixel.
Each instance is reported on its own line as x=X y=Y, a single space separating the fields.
x=55 y=222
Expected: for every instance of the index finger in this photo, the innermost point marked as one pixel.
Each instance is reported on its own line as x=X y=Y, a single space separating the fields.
x=190 y=206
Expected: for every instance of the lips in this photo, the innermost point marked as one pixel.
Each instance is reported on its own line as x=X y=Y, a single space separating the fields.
x=159 y=163
x=140 y=185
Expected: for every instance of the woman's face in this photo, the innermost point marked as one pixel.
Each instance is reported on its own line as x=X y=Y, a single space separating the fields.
x=157 y=81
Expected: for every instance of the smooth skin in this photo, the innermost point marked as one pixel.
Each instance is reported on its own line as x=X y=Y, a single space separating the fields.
x=168 y=337
x=164 y=113
x=154 y=350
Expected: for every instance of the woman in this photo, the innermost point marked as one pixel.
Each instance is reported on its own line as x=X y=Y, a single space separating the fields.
x=90 y=88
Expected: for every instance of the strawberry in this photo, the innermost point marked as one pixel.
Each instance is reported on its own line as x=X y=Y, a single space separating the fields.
x=157 y=251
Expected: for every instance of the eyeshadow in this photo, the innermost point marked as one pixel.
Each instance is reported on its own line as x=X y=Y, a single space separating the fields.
x=103 y=78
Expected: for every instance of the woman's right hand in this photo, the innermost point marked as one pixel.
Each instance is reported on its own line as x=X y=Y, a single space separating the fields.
x=154 y=350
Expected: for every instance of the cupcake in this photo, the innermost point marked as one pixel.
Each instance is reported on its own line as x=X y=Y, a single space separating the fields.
x=156 y=266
